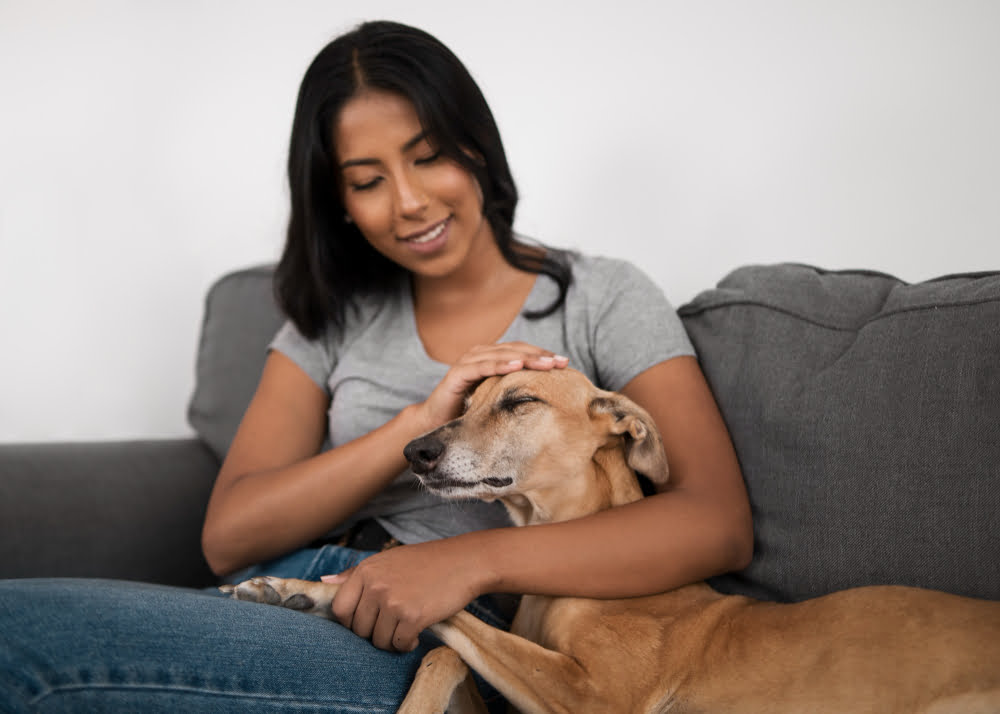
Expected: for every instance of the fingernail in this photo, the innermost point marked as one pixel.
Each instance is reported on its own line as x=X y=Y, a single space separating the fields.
x=332 y=578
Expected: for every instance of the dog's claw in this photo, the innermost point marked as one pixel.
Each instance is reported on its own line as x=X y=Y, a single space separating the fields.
x=253 y=590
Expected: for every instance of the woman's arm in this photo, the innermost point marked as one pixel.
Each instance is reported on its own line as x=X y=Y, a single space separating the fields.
x=275 y=492
x=697 y=527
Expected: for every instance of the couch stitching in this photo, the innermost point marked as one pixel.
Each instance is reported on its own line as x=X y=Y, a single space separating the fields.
x=693 y=311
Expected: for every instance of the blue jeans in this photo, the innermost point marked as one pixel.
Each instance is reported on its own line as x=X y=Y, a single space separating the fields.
x=72 y=645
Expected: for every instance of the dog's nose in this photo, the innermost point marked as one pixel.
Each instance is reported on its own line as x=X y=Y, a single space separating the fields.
x=423 y=453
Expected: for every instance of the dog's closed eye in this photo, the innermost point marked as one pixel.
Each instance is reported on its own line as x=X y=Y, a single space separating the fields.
x=512 y=400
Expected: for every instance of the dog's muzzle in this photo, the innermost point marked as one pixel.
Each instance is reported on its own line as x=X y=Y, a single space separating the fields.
x=425 y=454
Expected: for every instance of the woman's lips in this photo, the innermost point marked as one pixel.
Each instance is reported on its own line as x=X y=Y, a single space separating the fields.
x=429 y=240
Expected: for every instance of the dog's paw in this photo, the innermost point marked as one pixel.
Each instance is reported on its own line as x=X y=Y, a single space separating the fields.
x=302 y=595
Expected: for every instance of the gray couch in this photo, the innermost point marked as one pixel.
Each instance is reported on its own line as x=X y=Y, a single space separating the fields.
x=865 y=413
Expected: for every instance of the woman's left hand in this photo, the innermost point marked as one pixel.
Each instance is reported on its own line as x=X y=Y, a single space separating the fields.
x=391 y=597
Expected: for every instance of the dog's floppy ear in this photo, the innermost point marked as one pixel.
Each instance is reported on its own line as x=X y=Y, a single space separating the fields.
x=643 y=444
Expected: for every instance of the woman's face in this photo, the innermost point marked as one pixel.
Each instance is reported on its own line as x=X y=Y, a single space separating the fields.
x=417 y=207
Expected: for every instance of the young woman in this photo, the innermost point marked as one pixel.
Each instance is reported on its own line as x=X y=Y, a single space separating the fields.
x=404 y=286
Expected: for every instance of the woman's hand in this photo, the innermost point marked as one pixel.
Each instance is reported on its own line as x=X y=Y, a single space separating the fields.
x=391 y=597
x=446 y=401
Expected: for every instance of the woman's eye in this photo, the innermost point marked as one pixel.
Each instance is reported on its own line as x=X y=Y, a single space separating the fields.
x=428 y=159
x=365 y=186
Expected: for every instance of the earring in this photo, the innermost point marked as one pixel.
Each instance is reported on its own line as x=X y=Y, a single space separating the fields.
x=348 y=219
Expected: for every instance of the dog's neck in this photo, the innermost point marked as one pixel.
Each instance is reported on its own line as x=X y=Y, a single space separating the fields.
x=606 y=481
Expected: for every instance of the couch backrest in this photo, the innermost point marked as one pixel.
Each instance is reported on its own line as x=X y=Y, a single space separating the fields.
x=866 y=416
x=240 y=320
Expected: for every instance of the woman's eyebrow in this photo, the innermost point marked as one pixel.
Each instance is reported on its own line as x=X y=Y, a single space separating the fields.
x=368 y=162
x=414 y=141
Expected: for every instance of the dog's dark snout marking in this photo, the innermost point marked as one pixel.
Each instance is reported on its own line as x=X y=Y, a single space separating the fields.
x=424 y=453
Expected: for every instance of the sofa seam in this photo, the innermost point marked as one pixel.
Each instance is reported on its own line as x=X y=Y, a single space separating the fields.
x=692 y=311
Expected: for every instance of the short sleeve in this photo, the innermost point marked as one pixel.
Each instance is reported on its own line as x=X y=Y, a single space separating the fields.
x=315 y=357
x=634 y=327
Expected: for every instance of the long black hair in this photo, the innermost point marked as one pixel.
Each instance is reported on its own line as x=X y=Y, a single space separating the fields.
x=326 y=261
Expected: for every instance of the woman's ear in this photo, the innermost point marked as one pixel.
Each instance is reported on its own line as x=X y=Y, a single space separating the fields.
x=641 y=439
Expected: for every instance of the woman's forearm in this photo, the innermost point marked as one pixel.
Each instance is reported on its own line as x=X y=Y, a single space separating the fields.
x=263 y=514
x=653 y=545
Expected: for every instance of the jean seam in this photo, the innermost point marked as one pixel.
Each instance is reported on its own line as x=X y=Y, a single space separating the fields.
x=351 y=558
x=357 y=556
x=294 y=700
x=313 y=565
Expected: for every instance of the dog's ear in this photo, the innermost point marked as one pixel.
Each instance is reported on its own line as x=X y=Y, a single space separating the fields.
x=643 y=444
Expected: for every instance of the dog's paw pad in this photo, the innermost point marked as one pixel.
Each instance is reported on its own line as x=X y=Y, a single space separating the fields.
x=299 y=601
x=300 y=595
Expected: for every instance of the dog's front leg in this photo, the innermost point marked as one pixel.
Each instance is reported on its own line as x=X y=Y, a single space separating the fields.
x=443 y=684
x=534 y=679
x=314 y=598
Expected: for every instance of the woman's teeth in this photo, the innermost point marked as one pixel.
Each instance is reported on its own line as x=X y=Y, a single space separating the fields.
x=430 y=235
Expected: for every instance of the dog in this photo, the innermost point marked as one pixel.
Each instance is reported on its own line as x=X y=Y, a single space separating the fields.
x=551 y=447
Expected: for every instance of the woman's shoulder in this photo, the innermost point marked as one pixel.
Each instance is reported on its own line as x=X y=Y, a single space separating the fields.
x=596 y=275
x=359 y=317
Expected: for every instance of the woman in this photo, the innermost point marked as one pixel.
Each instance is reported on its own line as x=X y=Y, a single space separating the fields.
x=404 y=286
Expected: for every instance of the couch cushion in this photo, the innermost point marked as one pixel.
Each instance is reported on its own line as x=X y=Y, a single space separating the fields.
x=866 y=415
x=240 y=320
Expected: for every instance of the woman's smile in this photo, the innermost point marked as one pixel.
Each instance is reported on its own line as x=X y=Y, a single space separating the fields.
x=430 y=240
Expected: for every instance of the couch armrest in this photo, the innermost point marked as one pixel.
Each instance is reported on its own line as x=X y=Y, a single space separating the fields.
x=130 y=509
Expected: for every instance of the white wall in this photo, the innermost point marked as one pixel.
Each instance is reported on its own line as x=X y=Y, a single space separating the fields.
x=142 y=147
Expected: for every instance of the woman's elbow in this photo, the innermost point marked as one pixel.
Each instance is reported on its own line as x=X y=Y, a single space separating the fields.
x=740 y=538
x=213 y=548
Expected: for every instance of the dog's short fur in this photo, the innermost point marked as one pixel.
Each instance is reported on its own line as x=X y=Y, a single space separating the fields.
x=551 y=447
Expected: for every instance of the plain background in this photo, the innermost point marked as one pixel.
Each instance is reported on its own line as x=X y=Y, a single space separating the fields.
x=142 y=150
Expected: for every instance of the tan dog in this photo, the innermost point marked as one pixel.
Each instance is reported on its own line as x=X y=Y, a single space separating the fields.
x=551 y=447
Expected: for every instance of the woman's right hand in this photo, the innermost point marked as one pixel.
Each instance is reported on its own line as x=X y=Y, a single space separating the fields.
x=447 y=400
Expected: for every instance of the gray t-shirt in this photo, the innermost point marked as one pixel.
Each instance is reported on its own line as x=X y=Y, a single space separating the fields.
x=614 y=324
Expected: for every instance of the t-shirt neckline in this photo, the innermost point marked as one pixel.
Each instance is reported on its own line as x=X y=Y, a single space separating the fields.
x=411 y=319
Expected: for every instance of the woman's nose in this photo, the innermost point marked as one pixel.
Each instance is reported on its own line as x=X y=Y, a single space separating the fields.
x=410 y=195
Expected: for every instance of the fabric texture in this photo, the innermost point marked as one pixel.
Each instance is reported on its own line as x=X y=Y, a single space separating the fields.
x=115 y=646
x=598 y=328
x=112 y=646
x=865 y=412
x=240 y=319
x=130 y=510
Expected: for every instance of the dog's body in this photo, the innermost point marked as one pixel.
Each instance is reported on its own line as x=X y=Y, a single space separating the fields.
x=551 y=447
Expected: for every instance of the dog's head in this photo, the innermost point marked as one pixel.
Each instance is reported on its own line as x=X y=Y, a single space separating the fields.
x=549 y=445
